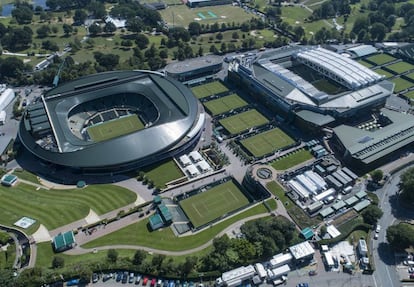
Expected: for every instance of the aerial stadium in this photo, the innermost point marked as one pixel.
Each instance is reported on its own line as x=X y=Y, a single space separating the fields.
x=113 y=121
x=315 y=86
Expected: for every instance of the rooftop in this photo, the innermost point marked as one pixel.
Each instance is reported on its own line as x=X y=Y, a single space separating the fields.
x=301 y=250
x=192 y=64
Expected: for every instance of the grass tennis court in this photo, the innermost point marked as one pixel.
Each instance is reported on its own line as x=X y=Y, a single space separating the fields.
x=384 y=73
x=266 y=142
x=366 y=64
x=213 y=203
x=291 y=160
x=410 y=95
x=400 y=67
x=115 y=128
x=224 y=104
x=206 y=90
x=163 y=173
x=243 y=121
x=410 y=76
x=380 y=59
x=401 y=84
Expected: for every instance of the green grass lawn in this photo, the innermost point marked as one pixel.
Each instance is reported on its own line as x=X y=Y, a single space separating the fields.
x=164 y=172
x=164 y=239
x=115 y=128
x=291 y=160
x=296 y=16
x=383 y=72
x=401 y=84
x=243 y=121
x=410 y=76
x=224 y=104
x=7 y=257
x=400 y=67
x=213 y=203
x=209 y=89
x=410 y=95
x=366 y=64
x=181 y=15
x=380 y=59
x=267 y=142
x=26 y=175
x=54 y=208
x=277 y=190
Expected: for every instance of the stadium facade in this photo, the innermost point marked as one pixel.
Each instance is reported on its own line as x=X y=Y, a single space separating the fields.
x=311 y=85
x=113 y=121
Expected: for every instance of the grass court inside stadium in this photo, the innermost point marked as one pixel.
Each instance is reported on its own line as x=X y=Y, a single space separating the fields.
x=213 y=203
x=266 y=142
x=243 y=121
x=115 y=128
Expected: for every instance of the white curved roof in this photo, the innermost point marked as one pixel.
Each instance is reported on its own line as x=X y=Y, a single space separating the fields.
x=353 y=73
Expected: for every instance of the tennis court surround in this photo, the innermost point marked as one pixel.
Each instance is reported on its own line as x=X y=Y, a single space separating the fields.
x=243 y=121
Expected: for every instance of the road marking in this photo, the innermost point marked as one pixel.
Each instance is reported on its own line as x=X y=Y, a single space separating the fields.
x=375 y=281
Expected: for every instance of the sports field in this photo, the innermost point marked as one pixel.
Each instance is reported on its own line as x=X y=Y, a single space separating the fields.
x=206 y=90
x=213 y=203
x=410 y=75
x=164 y=172
x=115 y=128
x=224 y=104
x=291 y=160
x=243 y=121
x=401 y=84
x=384 y=73
x=410 y=95
x=401 y=67
x=267 y=142
x=380 y=59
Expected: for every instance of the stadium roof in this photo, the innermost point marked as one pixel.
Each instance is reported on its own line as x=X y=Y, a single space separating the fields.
x=369 y=146
x=171 y=109
x=315 y=118
x=363 y=50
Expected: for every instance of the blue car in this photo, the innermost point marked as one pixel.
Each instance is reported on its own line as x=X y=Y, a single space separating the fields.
x=72 y=282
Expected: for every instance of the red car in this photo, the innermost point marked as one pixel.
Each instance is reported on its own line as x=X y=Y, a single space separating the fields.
x=153 y=281
x=145 y=281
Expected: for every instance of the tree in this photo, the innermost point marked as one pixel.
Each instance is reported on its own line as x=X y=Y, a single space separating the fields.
x=139 y=257
x=189 y=265
x=67 y=29
x=221 y=244
x=43 y=31
x=112 y=255
x=400 y=236
x=157 y=260
x=376 y=175
x=371 y=214
x=11 y=67
x=407 y=186
x=194 y=28
x=109 y=28
x=58 y=262
x=142 y=41
x=219 y=36
x=23 y=14
x=134 y=25
x=299 y=33
x=4 y=238
x=235 y=36
x=94 y=29
x=79 y=17
x=378 y=32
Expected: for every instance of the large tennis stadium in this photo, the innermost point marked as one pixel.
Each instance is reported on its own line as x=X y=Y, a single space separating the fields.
x=113 y=121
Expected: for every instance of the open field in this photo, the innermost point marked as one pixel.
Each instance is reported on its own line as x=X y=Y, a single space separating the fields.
x=181 y=15
x=291 y=160
x=380 y=59
x=115 y=128
x=401 y=84
x=162 y=173
x=164 y=239
x=400 y=67
x=266 y=142
x=410 y=95
x=295 y=16
x=383 y=72
x=213 y=203
x=366 y=64
x=243 y=121
x=224 y=104
x=206 y=90
x=54 y=208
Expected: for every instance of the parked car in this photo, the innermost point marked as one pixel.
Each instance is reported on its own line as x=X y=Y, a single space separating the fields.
x=138 y=279
x=410 y=269
x=131 y=277
x=118 y=277
x=313 y=272
x=72 y=282
x=171 y=283
x=106 y=277
x=125 y=277
x=153 y=282
x=145 y=281
x=376 y=235
x=378 y=228
x=95 y=278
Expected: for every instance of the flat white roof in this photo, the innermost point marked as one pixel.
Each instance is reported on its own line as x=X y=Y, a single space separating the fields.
x=332 y=231
x=203 y=165
x=281 y=259
x=324 y=194
x=301 y=250
x=195 y=156
x=185 y=160
x=192 y=170
x=302 y=192
x=240 y=272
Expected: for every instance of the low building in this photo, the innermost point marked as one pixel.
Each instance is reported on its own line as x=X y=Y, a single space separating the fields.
x=64 y=241
x=362 y=205
x=203 y=3
x=194 y=68
x=302 y=252
x=362 y=248
x=236 y=276
x=275 y=273
x=280 y=259
x=6 y=96
x=155 y=221
x=8 y=180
